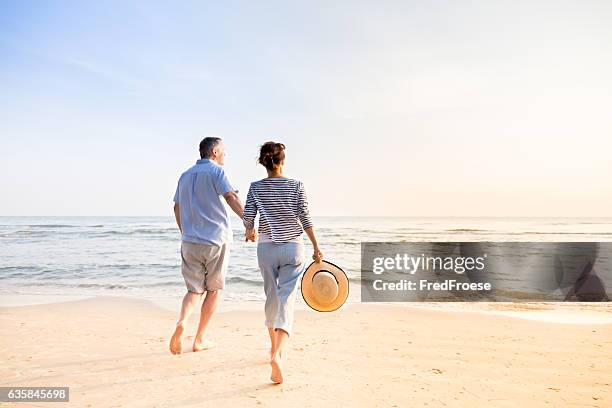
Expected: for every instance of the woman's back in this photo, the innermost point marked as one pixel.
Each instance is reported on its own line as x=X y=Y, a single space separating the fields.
x=282 y=206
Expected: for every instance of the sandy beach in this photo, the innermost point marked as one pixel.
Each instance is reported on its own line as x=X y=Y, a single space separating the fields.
x=113 y=352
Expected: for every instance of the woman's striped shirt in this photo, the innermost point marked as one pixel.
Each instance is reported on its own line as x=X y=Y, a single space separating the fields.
x=282 y=207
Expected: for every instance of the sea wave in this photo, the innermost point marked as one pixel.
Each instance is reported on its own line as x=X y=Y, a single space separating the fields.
x=51 y=226
x=73 y=255
x=466 y=230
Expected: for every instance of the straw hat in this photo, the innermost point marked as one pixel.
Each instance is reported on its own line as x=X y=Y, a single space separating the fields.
x=325 y=286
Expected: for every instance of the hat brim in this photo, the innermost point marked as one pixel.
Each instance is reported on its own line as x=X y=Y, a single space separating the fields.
x=306 y=286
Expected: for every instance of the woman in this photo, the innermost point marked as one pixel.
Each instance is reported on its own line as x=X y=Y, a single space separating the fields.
x=283 y=217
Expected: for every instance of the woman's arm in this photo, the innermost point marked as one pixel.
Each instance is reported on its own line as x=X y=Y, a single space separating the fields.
x=248 y=218
x=306 y=221
x=317 y=255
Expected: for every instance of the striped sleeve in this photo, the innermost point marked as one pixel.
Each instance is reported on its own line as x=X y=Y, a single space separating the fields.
x=303 y=213
x=250 y=210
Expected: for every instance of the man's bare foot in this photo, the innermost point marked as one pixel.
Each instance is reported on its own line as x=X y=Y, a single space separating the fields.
x=176 y=342
x=277 y=370
x=203 y=345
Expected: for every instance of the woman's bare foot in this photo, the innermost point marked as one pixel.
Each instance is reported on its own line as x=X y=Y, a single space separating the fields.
x=277 y=369
x=200 y=345
x=176 y=342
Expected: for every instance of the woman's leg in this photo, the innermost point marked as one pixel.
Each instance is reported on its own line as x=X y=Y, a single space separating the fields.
x=280 y=339
x=269 y=272
x=272 y=340
x=289 y=274
x=288 y=277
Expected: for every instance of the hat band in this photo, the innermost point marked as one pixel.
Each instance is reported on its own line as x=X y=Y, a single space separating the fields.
x=324 y=270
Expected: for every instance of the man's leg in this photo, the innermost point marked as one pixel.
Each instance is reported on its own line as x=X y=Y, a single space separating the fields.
x=190 y=301
x=209 y=306
x=215 y=259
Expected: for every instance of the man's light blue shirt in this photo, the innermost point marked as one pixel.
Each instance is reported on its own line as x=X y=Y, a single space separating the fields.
x=204 y=218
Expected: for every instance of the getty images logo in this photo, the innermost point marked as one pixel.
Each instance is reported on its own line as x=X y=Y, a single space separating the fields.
x=411 y=264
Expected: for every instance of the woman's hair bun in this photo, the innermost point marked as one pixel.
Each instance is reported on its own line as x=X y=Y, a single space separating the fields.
x=271 y=154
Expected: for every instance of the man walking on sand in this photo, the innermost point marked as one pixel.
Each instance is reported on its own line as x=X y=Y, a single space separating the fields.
x=205 y=237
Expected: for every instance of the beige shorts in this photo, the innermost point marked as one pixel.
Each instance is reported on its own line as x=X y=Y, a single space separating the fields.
x=203 y=266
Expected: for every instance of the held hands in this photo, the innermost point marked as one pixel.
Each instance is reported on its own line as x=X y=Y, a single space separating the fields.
x=317 y=255
x=250 y=235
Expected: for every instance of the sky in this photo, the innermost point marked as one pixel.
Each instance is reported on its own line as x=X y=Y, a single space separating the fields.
x=387 y=108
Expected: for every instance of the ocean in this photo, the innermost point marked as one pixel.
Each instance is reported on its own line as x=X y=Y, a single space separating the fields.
x=140 y=256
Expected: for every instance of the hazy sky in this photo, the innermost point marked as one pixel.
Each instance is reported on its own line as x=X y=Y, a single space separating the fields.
x=418 y=108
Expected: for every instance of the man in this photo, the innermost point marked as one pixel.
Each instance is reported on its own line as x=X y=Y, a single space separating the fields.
x=206 y=234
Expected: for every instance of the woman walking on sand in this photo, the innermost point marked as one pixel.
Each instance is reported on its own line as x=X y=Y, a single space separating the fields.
x=283 y=217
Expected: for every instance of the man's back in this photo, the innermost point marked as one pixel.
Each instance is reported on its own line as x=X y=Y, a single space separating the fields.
x=204 y=218
x=206 y=235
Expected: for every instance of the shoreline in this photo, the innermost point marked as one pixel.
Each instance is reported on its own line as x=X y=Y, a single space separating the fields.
x=579 y=313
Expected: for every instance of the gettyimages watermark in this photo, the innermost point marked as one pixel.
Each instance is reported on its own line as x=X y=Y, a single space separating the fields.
x=486 y=271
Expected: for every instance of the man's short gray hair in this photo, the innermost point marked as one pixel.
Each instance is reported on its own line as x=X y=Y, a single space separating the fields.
x=207 y=145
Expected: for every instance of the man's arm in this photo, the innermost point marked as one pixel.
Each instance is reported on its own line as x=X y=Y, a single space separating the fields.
x=234 y=202
x=177 y=216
